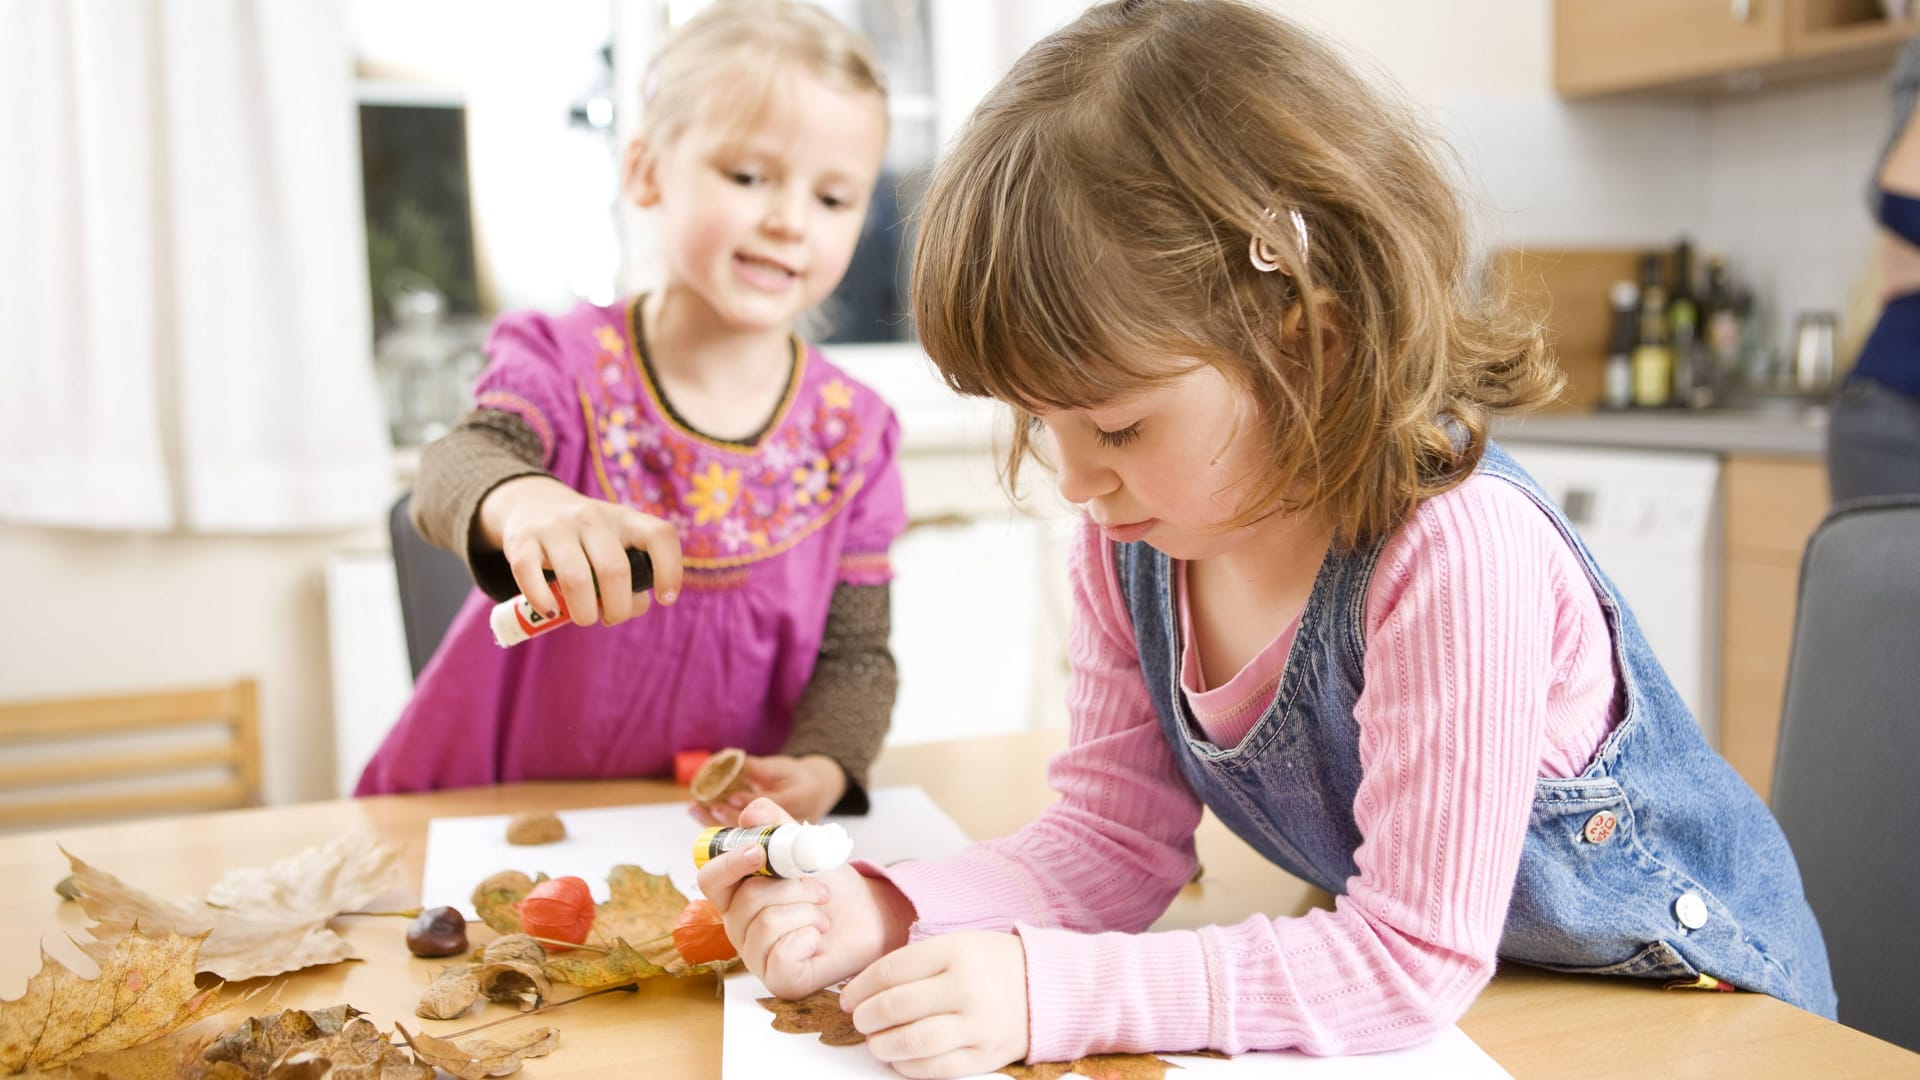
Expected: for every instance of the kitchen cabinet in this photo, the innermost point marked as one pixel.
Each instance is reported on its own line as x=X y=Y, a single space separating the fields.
x=1773 y=505
x=1605 y=47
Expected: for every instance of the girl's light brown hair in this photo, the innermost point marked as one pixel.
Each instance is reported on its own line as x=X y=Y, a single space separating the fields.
x=1092 y=222
x=739 y=48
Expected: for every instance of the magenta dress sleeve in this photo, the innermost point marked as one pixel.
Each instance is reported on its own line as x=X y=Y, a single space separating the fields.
x=526 y=376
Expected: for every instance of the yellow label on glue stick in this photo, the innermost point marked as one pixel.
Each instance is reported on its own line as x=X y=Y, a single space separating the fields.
x=790 y=850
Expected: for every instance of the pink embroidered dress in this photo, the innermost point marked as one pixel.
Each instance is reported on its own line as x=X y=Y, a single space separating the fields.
x=767 y=528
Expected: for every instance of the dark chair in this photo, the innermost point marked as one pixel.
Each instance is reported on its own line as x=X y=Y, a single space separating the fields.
x=1844 y=787
x=433 y=585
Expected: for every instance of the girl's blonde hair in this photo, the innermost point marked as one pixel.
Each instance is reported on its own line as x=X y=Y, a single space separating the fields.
x=739 y=48
x=1094 y=218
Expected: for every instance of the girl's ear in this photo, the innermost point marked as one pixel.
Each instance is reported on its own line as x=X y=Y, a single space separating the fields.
x=639 y=166
x=1327 y=315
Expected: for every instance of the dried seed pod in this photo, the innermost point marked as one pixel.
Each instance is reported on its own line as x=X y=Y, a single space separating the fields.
x=698 y=935
x=440 y=931
x=559 y=910
x=531 y=827
x=524 y=985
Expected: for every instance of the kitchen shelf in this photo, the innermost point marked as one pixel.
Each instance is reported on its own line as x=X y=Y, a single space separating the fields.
x=1696 y=48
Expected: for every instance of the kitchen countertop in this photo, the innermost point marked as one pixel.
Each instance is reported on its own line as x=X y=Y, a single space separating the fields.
x=1802 y=433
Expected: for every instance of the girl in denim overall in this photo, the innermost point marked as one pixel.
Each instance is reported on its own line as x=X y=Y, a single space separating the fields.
x=1223 y=282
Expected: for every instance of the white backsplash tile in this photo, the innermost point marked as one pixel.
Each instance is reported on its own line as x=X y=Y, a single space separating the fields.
x=1776 y=180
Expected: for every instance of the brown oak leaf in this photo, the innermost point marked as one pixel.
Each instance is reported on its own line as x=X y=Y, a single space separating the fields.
x=257 y=921
x=482 y=1058
x=145 y=990
x=819 y=1011
x=1096 y=1067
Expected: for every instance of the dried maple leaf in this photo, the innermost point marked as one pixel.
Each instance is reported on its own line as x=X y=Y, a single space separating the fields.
x=145 y=990
x=166 y=1058
x=259 y=921
x=819 y=1011
x=484 y=1057
x=1096 y=1067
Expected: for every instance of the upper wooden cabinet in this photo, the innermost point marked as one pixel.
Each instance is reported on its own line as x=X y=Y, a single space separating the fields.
x=1605 y=47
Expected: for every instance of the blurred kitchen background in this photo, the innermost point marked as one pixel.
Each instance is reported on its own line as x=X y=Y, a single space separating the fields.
x=304 y=215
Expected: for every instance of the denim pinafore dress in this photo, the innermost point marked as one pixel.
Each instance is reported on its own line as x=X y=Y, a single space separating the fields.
x=1657 y=861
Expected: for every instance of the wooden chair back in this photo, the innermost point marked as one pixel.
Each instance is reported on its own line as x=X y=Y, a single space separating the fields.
x=129 y=755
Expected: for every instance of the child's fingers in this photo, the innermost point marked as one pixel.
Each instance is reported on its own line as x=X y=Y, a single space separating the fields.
x=613 y=581
x=574 y=576
x=789 y=930
x=925 y=1039
x=721 y=877
x=904 y=965
x=529 y=565
x=897 y=1005
x=662 y=545
x=764 y=812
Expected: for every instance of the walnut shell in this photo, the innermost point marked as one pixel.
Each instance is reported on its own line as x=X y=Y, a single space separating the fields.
x=722 y=775
x=535 y=827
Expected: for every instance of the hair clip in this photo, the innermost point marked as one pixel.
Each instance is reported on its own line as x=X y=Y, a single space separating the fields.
x=1264 y=258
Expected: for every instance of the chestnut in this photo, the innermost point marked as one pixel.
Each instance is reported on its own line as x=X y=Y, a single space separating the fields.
x=440 y=931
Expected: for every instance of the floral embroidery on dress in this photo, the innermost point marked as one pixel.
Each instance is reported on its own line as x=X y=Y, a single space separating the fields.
x=732 y=503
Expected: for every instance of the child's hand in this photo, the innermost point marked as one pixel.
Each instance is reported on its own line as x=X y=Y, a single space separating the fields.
x=801 y=934
x=539 y=522
x=806 y=787
x=954 y=1005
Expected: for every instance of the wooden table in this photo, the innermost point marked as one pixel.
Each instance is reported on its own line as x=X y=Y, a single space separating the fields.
x=1534 y=1023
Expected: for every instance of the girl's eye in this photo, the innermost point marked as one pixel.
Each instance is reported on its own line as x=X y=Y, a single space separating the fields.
x=744 y=179
x=1118 y=438
x=833 y=202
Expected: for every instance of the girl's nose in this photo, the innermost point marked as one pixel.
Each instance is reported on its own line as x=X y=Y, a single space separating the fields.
x=1081 y=477
x=787 y=215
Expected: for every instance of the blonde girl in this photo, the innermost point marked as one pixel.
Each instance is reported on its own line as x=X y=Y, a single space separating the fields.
x=693 y=424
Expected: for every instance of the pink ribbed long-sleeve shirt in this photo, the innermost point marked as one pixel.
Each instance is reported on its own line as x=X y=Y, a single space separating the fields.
x=1488 y=663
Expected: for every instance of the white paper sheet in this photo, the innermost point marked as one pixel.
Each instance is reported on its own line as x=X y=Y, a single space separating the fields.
x=753 y=1049
x=463 y=851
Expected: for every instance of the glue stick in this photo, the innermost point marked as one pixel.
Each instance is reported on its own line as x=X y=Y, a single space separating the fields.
x=791 y=850
x=516 y=620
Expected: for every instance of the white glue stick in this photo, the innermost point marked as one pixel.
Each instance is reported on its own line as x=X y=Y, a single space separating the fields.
x=514 y=621
x=791 y=850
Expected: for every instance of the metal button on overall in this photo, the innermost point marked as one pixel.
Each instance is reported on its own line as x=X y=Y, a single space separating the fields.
x=1690 y=910
x=1600 y=827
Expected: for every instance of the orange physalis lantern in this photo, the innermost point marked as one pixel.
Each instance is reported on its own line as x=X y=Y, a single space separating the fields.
x=559 y=910
x=699 y=936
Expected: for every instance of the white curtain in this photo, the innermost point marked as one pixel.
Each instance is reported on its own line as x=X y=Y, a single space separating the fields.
x=184 y=335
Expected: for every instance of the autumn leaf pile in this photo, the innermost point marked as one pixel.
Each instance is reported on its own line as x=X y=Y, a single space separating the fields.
x=633 y=931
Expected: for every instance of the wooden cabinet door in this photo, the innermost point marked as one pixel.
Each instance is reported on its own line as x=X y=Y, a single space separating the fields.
x=1773 y=506
x=1601 y=46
